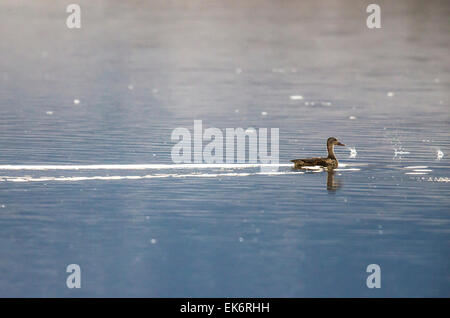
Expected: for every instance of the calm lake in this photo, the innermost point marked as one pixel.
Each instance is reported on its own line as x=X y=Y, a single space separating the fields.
x=112 y=92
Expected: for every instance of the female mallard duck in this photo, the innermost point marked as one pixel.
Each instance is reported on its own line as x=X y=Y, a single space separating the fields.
x=329 y=162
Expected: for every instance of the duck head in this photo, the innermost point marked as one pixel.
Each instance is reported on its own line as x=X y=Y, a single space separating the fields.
x=332 y=141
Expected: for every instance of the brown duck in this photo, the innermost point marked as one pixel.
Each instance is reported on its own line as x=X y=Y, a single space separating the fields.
x=329 y=162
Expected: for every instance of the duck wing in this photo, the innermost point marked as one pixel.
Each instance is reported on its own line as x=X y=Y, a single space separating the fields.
x=310 y=162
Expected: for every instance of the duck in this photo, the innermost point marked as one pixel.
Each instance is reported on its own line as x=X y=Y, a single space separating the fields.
x=328 y=162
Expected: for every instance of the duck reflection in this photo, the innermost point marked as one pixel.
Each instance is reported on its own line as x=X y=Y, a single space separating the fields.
x=333 y=183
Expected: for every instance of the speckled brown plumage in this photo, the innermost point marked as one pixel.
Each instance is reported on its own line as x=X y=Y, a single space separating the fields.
x=329 y=162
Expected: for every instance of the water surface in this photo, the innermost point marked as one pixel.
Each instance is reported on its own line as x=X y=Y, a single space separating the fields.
x=140 y=70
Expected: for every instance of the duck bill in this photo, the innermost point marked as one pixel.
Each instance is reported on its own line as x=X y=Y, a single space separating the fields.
x=340 y=144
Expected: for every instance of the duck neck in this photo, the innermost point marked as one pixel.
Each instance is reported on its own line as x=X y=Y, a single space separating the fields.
x=330 y=149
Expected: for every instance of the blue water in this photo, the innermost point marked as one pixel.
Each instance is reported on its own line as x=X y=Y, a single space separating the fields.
x=220 y=232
